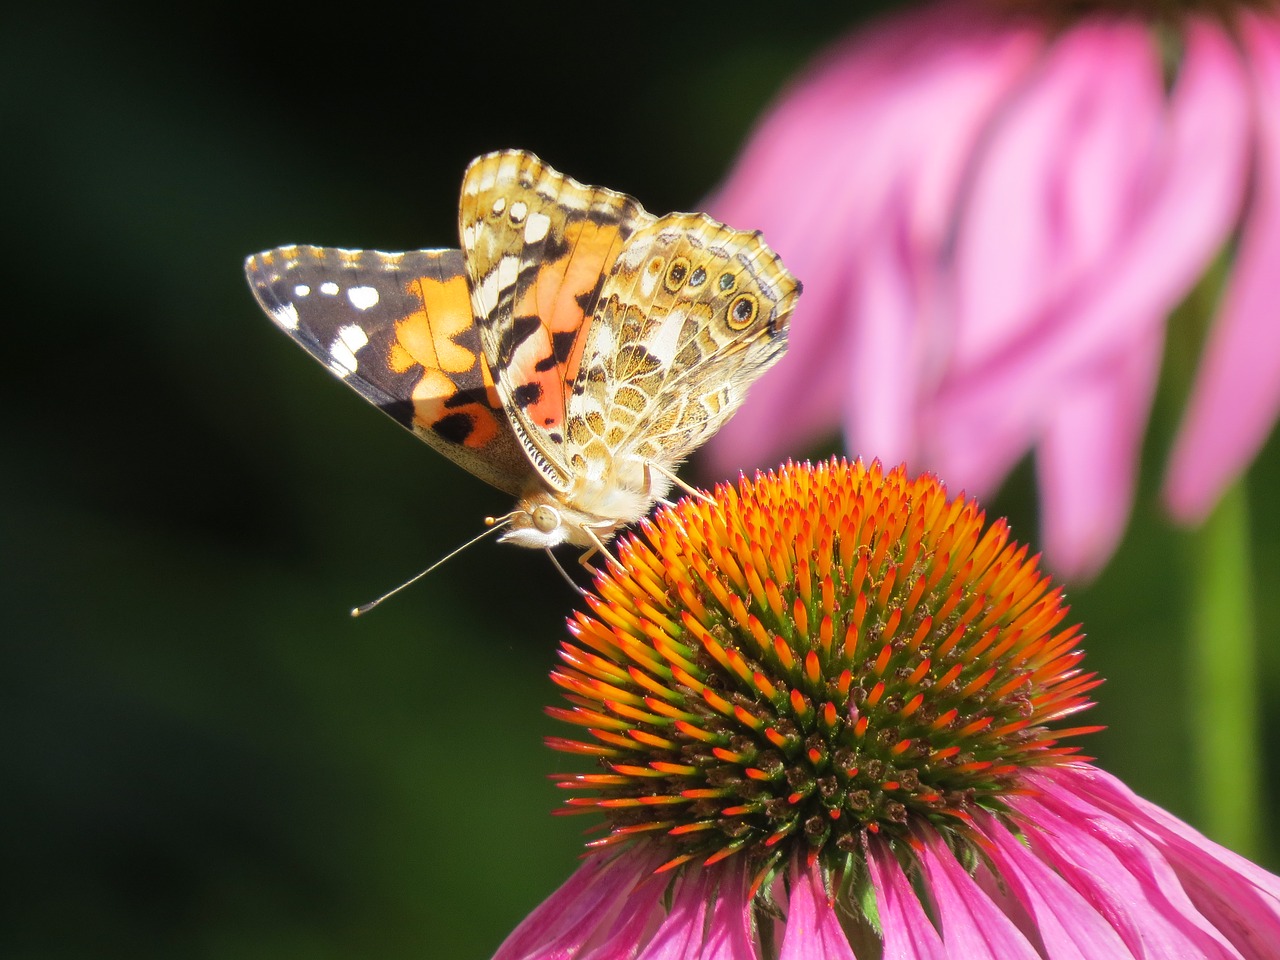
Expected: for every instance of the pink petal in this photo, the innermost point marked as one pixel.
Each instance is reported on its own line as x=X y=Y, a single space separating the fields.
x=607 y=894
x=1058 y=183
x=685 y=933
x=1238 y=897
x=908 y=932
x=1185 y=189
x=1236 y=396
x=732 y=935
x=813 y=930
x=1064 y=922
x=1118 y=872
x=972 y=926
x=680 y=935
x=889 y=113
x=1088 y=458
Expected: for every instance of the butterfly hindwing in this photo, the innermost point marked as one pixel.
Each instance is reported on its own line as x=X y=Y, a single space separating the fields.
x=398 y=328
x=538 y=245
x=690 y=315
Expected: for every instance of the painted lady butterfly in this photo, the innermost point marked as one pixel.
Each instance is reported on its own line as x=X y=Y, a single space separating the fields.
x=572 y=353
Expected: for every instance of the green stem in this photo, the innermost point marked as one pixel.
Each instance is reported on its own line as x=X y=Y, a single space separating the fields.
x=1223 y=668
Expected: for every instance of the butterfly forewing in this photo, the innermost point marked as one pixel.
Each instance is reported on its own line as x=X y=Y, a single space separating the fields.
x=398 y=328
x=538 y=245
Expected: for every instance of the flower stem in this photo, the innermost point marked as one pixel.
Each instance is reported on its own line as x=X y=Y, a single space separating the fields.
x=1223 y=665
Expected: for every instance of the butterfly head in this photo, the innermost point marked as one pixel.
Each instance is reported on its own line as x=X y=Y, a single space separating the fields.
x=541 y=520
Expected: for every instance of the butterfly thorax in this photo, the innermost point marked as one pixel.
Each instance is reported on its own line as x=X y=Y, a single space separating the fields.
x=589 y=513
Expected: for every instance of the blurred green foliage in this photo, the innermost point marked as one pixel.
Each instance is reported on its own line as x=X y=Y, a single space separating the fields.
x=204 y=756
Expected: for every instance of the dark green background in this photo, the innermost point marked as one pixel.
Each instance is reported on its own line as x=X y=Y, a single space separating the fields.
x=203 y=755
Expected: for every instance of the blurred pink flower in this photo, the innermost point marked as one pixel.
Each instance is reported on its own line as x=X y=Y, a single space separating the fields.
x=993 y=219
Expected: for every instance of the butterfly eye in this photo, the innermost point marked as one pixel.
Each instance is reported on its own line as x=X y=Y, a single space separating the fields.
x=742 y=311
x=727 y=282
x=545 y=518
x=676 y=273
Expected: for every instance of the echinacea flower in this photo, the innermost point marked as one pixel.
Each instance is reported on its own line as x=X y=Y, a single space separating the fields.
x=995 y=206
x=824 y=710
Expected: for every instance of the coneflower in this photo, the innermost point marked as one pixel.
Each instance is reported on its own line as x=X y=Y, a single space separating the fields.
x=825 y=713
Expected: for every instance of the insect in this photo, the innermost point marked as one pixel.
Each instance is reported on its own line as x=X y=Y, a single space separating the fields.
x=572 y=353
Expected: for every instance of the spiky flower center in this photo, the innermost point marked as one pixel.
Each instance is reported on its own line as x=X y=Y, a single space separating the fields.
x=816 y=654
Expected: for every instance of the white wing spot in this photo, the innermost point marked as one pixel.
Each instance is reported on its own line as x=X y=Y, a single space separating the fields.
x=343 y=349
x=662 y=343
x=286 y=316
x=500 y=204
x=508 y=270
x=485 y=297
x=362 y=298
x=649 y=282
x=518 y=210
x=301 y=290
x=536 y=227
x=329 y=288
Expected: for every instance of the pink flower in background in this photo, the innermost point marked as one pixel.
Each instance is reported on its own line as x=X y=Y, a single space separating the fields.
x=993 y=218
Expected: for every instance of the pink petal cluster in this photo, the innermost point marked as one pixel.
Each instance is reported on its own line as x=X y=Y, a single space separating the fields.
x=993 y=220
x=1096 y=872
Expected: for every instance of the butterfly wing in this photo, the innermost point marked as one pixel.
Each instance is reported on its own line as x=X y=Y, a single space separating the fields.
x=538 y=246
x=690 y=315
x=398 y=328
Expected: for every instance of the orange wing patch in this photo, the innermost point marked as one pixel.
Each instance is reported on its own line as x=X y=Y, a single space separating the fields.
x=454 y=396
x=565 y=292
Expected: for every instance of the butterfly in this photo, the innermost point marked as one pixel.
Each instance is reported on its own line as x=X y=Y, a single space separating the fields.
x=572 y=353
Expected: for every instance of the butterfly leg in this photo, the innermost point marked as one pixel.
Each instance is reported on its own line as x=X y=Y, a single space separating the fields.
x=649 y=465
x=597 y=546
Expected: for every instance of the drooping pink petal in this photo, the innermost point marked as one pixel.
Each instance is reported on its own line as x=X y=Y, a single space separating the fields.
x=1064 y=922
x=1236 y=397
x=685 y=934
x=890 y=113
x=1089 y=455
x=813 y=930
x=1184 y=183
x=607 y=894
x=1239 y=898
x=1058 y=182
x=972 y=926
x=732 y=934
x=1117 y=871
x=680 y=936
x=908 y=932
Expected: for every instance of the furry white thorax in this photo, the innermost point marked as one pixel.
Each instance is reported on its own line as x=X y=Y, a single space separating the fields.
x=586 y=516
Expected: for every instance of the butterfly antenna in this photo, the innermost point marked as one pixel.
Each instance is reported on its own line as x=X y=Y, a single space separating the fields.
x=493 y=523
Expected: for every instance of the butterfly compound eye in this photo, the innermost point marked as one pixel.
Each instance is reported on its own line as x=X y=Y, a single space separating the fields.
x=545 y=518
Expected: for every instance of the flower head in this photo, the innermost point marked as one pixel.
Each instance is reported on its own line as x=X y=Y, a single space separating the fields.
x=995 y=206
x=825 y=711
